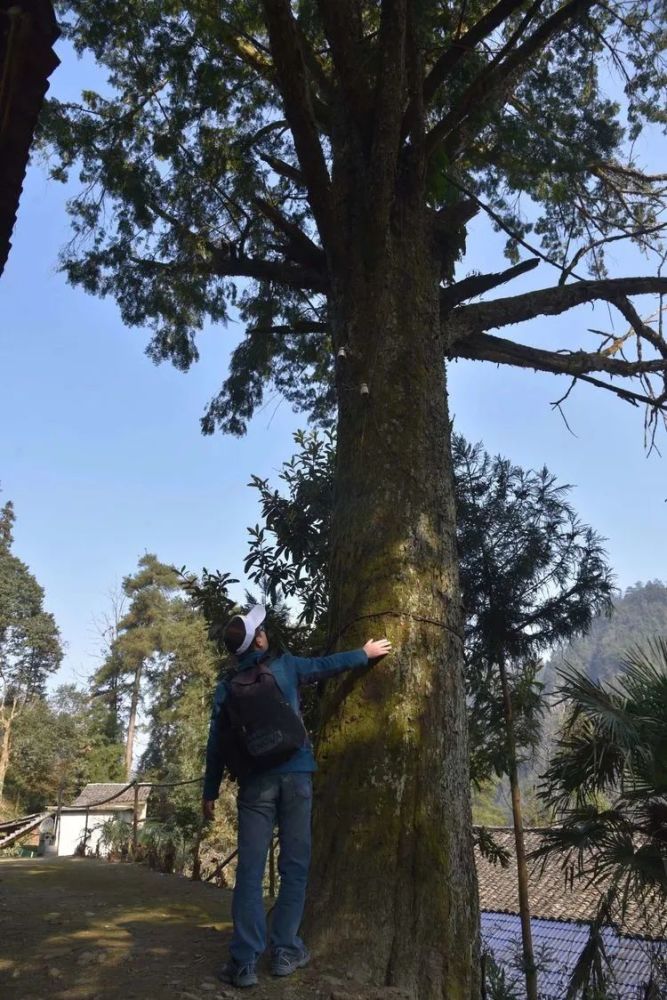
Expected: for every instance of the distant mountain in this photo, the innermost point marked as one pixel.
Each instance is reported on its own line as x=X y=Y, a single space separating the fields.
x=639 y=613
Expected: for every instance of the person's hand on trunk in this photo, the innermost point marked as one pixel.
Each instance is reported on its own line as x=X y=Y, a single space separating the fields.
x=375 y=648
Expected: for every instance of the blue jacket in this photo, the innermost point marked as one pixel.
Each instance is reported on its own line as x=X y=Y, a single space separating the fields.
x=290 y=672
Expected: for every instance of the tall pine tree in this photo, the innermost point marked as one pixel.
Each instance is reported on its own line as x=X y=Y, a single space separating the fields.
x=30 y=648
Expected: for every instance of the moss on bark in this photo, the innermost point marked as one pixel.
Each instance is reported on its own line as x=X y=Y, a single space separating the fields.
x=393 y=888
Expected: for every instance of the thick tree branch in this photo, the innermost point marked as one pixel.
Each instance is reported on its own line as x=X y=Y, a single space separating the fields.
x=309 y=279
x=490 y=84
x=344 y=31
x=229 y=265
x=482 y=316
x=292 y=76
x=484 y=347
x=313 y=63
x=300 y=247
x=255 y=57
x=467 y=288
x=505 y=352
x=284 y=169
x=247 y=50
x=390 y=93
x=461 y=47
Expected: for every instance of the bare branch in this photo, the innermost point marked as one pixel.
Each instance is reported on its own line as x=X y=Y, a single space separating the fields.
x=484 y=347
x=636 y=175
x=635 y=234
x=467 y=288
x=553 y=301
x=500 y=222
x=292 y=78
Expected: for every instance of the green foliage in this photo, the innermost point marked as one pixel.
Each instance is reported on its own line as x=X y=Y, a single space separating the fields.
x=490 y=849
x=166 y=846
x=30 y=647
x=191 y=176
x=115 y=837
x=531 y=573
x=608 y=780
x=288 y=554
x=160 y=657
x=61 y=744
x=500 y=983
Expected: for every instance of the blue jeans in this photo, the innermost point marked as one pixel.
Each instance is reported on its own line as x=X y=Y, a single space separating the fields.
x=263 y=801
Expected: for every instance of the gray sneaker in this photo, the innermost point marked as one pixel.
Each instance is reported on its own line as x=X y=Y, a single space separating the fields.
x=238 y=975
x=285 y=961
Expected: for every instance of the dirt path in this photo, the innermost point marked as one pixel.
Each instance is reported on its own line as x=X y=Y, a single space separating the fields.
x=74 y=929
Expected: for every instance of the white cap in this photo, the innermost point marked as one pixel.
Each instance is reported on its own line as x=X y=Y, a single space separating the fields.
x=251 y=621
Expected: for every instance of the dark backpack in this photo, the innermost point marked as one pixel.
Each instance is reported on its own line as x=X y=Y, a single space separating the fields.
x=259 y=728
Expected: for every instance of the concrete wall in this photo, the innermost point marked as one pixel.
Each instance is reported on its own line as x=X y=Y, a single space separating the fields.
x=73 y=825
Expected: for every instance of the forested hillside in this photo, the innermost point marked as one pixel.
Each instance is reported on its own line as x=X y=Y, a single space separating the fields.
x=639 y=613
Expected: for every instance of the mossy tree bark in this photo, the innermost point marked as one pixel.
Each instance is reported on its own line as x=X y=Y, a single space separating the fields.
x=393 y=884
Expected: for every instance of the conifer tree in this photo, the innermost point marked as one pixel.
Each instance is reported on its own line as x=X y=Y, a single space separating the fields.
x=318 y=164
x=30 y=647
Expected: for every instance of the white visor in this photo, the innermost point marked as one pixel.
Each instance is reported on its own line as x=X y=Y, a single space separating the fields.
x=251 y=621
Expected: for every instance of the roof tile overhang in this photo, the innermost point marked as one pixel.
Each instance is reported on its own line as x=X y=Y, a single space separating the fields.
x=28 y=31
x=556 y=891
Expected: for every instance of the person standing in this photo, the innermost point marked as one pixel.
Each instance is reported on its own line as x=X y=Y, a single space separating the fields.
x=273 y=761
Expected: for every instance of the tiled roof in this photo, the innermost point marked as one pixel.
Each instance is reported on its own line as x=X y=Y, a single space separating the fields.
x=557 y=946
x=28 y=31
x=96 y=794
x=554 y=894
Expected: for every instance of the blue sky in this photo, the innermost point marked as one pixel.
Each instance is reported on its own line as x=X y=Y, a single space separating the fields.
x=102 y=455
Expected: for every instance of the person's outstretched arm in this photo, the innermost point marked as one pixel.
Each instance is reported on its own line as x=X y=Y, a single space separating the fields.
x=316 y=668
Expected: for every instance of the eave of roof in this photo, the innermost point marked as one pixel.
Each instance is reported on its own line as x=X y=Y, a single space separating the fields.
x=28 y=31
x=114 y=794
x=554 y=893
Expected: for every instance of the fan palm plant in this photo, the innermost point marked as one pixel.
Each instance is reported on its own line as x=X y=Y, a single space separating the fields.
x=607 y=784
x=115 y=837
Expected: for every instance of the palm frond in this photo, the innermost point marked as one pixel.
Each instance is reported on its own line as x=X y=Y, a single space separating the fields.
x=604 y=706
x=592 y=972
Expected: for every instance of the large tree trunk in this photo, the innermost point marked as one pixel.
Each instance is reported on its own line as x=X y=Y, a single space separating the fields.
x=8 y=714
x=393 y=894
x=132 y=722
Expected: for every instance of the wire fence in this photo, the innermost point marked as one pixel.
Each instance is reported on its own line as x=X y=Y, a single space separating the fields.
x=134 y=846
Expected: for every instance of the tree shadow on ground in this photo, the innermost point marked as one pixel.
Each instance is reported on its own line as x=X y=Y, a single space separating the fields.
x=80 y=929
x=74 y=929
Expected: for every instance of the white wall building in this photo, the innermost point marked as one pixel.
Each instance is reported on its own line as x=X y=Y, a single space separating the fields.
x=82 y=820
